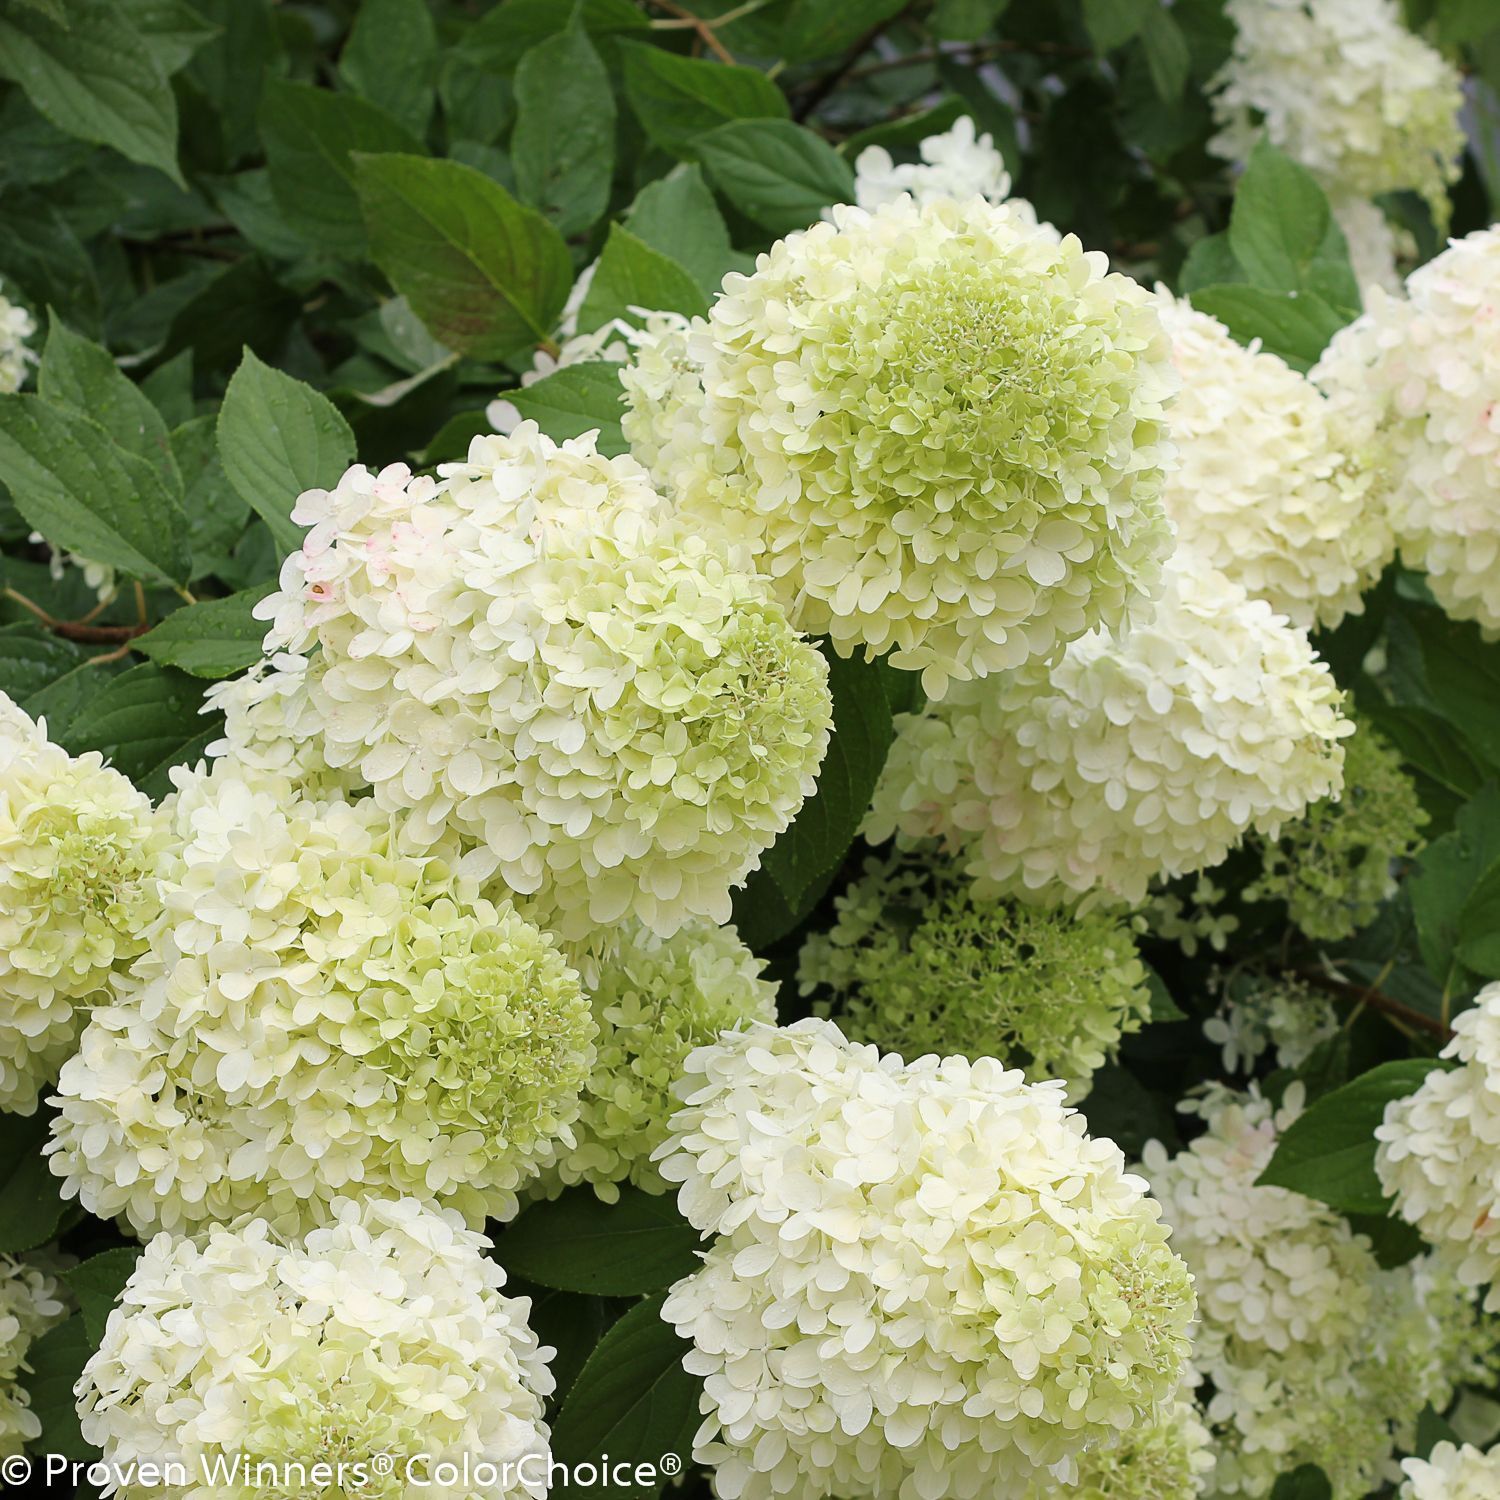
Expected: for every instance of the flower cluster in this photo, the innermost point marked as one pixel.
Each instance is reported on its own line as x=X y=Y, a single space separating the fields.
x=1136 y=756
x=1452 y=1473
x=1257 y=1014
x=657 y=1000
x=78 y=854
x=1346 y=90
x=1372 y=241
x=1262 y=488
x=16 y=326
x=941 y=425
x=928 y=1280
x=31 y=1302
x=957 y=164
x=1167 y=1458
x=319 y=1014
x=1335 y=866
x=1313 y=1354
x=532 y=654
x=1439 y=1153
x=383 y=1333
x=918 y=963
x=1417 y=375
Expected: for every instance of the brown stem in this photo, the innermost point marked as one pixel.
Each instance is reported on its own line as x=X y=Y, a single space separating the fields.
x=79 y=630
x=1377 y=1000
x=701 y=28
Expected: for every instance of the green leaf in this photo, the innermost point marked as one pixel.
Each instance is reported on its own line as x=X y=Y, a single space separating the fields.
x=1448 y=871
x=500 y=39
x=1328 y=1152
x=1432 y=1429
x=214 y=639
x=678 y=100
x=965 y=20
x=823 y=831
x=677 y=215
x=57 y=1360
x=1279 y=220
x=311 y=136
x=30 y=1208
x=1305 y=1482
x=277 y=438
x=574 y=400
x=819 y=28
x=632 y=1398
x=94 y=77
x=631 y=275
x=575 y=1243
x=1112 y=23
x=391 y=59
x=242 y=306
x=47 y=261
x=97 y=1283
x=1294 y=325
x=1163 y=1006
x=1478 y=931
x=146 y=721
x=487 y=275
x=85 y=494
x=1167 y=55
x=1461 y=673
x=563 y=145
x=78 y=374
x=777 y=173
x=173 y=30
x=32 y=662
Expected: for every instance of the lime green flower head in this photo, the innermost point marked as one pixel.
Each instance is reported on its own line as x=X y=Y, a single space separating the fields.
x=918 y=963
x=657 y=1000
x=945 y=422
x=78 y=852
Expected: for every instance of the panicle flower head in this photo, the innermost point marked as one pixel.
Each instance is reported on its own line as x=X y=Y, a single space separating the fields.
x=1262 y=488
x=1345 y=89
x=941 y=427
x=929 y=1280
x=1148 y=754
x=1451 y=1472
x=1334 y=866
x=532 y=654
x=79 y=848
x=31 y=1302
x=656 y=1001
x=958 y=163
x=320 y=1014
x=1166 y=1458
x=16 y=326
x=383 y=1333
x=1257 y=1013
x=918 y=963
x=1417 y=378
x=1439 y=1153
x=1312 y=1352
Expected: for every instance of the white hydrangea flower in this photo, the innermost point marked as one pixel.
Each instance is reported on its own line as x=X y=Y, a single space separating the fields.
x=16 y=326
x=79 y=848
x=100 y=577
x=1345 y=89
x=1421 y=374
x=1145 y=755
x=1439 y=1153
x=929 y=1281
x=1283 y=1013
x=31 y=1302
x=1263 y=488
x=1452 y=1473
x=1312 y=1352
x=941 y=428
x=383 y=1333
x=959 y=163
x=534 y=654
x=319 y=1015
x=656 y=1001
x=1374 y=245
